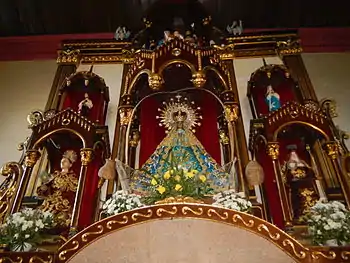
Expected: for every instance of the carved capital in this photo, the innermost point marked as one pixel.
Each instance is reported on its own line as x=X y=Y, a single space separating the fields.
x=68 y=56
x=134 y=139
x=231 y=112
x=273 y=150
x=31 y=157
x=155 y=81
x=224 y=139
x=228 y=96
x=125 y=115
x=198 y=79
x=86 y=156
x=289 y=47
x=332 y=149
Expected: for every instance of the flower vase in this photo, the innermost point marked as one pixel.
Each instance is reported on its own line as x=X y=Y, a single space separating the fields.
x=25 y=247
x=331 y=243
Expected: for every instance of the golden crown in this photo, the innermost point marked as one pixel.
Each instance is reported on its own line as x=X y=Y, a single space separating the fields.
x=179 y=109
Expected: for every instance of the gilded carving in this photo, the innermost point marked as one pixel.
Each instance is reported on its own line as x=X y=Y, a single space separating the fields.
x=288 y=242
x=85 y=236
x=262 y=227
x=86 y=156
x=179 y=199
x=68 y=56
x=289 y=47
x=345 y=255
x=171 y=211
x=231 y=112
x=331 y=255
x=134 y=138
x=187 y=209
x=198 y=79
x=125 y=115
x=332 y=149
x=36 y=259
x=224 y=139
x=224 y=216
x=112 y=222
x=31 y=157
x=237 y=217
x=62 y=254
x=273 y=150
x=7 y=259
x=155 y=81
x=136 y=216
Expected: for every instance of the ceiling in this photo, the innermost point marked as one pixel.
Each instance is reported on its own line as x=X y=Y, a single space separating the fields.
x=42 y=17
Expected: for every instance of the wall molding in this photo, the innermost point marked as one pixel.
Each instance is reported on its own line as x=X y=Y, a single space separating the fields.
x=313 y=40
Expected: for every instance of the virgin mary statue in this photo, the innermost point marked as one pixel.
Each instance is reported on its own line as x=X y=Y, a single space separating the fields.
x=181 y=147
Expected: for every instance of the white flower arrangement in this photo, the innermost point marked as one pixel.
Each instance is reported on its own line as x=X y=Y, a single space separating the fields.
x=25 y=227
x=121 y=202
x=232 y=200
x=329 y=221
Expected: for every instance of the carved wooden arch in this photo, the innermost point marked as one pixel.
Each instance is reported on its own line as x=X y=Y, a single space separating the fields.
x=314 y=127
x=191 y=67
x=129 y=88
x=293 y=112
x=197 y=211
x=218 y=74
x=66 y=120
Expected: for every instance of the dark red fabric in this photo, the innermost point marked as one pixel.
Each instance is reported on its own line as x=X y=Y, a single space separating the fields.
x=270 y=186
x=152 y=134
x=90 y=194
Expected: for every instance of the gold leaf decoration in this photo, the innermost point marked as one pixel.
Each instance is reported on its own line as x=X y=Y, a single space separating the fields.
x=62 y=255
x=316 y=254
x=112 y=222
x=262 y=227
x=85 y=236
x=7 y=259
x=187 y=209
x=213 y=211
x=135 y=216
x=160 y=211
x=300 y=255
x=35 y=259
x=237 y=217
x=345 y=255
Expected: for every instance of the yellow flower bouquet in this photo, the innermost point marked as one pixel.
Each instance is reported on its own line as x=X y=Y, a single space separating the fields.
x=178 y=181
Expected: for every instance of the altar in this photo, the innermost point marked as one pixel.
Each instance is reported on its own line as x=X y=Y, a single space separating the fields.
x=177 y=179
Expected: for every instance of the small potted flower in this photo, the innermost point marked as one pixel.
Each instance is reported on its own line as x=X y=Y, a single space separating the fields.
x=328 y=224
x=231 y=200
x=23 y=230
x=121 y=202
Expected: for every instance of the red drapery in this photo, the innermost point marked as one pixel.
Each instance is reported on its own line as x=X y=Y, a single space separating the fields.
x=152 y=134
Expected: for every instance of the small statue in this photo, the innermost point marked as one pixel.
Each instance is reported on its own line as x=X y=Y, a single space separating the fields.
x=152 y=45
x=85 y=106
x=59 y=192
x=272 y=99
x=301 y=184
x=121 y=33
x=189 y=38
x=178 y=35
x=235 y=28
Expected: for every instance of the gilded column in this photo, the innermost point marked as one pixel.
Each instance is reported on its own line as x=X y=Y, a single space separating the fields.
x=332 y=150
x=31 y=157
x=291 y=53
x=134 y=139
x=86 y=155
x=273 y=152
x=232 y=115
x=67 y=61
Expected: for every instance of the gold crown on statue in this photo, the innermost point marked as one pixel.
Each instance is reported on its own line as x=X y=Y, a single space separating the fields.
x=179 y=109
x=70 y=155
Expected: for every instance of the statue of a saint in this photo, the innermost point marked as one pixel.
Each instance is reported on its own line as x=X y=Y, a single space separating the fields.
x=182 y=144
x=59 y=192
x=272 y=99
x=301 y=184
x=85 y=105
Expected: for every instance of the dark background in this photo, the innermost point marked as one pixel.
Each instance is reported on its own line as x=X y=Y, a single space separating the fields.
x=40 y=17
